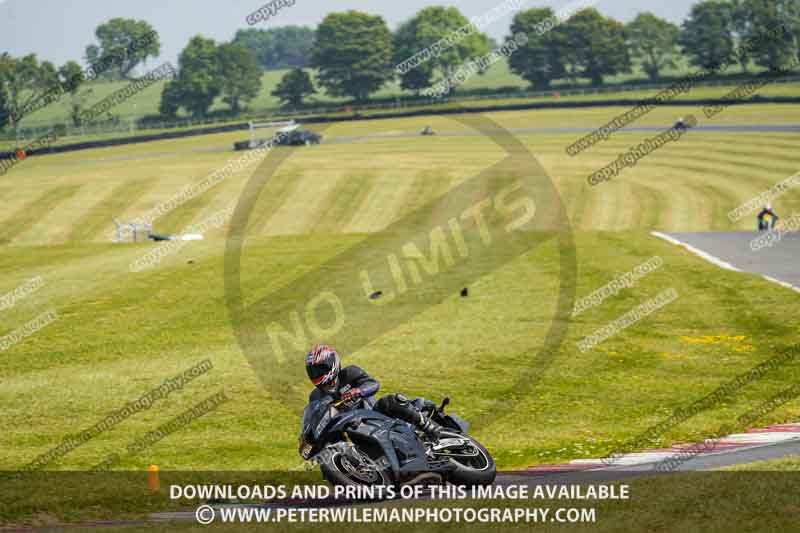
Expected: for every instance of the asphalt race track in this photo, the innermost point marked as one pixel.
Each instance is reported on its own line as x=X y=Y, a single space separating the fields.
x=705 y=461
x=779 y=262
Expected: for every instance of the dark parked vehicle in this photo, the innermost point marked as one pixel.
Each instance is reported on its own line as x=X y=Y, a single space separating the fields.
x=365 y=447
x=298 y=138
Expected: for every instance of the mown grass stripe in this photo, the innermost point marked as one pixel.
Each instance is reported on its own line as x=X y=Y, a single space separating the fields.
x=575 y=195
x=741 y=152
x=428 y=184
x=717 y=202
x=603 y=208
x=674 y=202
x=648 y=215
x=274 y=194
x=414 y=193
x=786 y=164
x=347 y=198
x=620 y=146
x=99 y=219
x=24 y=218
x=179 y=218
x=301 y=209
x=702 y=170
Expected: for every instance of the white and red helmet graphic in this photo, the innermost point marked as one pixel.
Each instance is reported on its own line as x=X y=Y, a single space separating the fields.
x=322 y=365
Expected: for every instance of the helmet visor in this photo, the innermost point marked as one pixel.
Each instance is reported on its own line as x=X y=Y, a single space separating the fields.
x=318 y=372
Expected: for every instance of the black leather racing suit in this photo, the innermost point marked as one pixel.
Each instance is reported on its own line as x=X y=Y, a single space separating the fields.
x=763 y=225
x=394 y=405
x=351 y=377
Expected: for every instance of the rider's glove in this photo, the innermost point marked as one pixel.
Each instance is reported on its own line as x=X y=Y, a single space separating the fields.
x=352 y=393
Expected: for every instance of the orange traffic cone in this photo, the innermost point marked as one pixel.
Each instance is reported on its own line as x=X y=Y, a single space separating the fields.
x=153 y=482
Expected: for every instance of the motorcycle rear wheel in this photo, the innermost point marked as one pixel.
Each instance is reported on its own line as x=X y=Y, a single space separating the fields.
x=479 y=469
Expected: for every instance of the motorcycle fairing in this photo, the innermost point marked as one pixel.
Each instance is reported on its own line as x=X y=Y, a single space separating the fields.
x=397 y=439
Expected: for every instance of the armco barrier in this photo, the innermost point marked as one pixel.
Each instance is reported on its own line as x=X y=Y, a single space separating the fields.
x=73 y=147
x=401 y=114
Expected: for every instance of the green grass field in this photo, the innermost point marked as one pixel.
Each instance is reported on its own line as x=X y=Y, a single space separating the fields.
x=789 y=463
x=119 y=334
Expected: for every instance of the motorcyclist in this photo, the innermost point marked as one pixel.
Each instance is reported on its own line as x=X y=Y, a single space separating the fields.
x=767 y=218
x=356 y=389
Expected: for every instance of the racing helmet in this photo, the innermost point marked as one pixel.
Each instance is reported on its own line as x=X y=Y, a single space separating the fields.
x=322 y=366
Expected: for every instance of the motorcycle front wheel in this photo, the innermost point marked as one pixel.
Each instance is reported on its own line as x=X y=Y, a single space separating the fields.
x=342 y=467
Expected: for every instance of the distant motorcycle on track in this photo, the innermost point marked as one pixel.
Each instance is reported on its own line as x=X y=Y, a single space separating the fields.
x=767 y=219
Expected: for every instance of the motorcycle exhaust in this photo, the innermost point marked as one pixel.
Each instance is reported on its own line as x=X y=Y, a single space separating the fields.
x=425 y=476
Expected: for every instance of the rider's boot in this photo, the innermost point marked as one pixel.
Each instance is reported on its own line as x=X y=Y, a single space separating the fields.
x=430 y=428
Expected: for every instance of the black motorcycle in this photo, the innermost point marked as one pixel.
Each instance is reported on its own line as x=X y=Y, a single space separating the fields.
x=365 y=447
x=767 y=221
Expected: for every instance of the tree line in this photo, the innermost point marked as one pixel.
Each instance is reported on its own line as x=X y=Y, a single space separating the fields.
x=354 y=54
x=122 y=43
